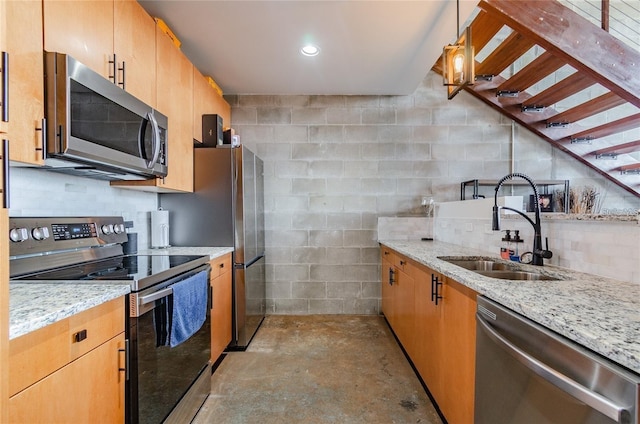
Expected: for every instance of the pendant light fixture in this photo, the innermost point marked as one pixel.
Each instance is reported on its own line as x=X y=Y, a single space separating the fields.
x=458 y=61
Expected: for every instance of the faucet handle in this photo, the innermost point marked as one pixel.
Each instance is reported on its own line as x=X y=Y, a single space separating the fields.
x=546 y=253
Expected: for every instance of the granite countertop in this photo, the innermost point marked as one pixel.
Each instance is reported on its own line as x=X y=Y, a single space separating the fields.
x=35 y=305
x=599 y=313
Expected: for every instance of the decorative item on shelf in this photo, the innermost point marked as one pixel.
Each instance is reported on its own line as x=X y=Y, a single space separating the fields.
x=546 y=203
x=582 y=200
x=428 y=205
x=458 y=61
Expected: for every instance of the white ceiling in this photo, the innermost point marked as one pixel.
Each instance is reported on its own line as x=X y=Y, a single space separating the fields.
x=367 y=47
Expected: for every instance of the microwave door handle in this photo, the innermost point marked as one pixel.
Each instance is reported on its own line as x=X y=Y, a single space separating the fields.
x=594 y=400
x=156 y=140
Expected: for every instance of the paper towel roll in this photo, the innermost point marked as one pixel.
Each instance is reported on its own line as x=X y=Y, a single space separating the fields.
x=159 y=229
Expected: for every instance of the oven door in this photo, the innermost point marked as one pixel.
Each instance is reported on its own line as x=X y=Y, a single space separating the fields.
x=161 y=376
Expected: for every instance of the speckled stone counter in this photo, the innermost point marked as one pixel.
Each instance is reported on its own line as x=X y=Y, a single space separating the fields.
x=213 y=252
x=33 y=306
x=601 y=314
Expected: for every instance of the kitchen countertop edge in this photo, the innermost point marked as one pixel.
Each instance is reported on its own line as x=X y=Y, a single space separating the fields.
x=598 y=313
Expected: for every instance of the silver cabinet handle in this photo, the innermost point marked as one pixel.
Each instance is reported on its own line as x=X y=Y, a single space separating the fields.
x=5 y=174
x=595 y=400
x=4 y=69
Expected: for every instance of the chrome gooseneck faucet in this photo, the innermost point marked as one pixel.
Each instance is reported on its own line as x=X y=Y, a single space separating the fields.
x=538 y=252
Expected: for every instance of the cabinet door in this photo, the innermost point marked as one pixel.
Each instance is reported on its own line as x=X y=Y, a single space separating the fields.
x=26 y=90
x=89 y=389
x=387 y=274
x=4 y=309
x=221 y=306
x=404 y=308
x=3 y=49
x=175 y=88
x=82 y=29
x=134 y=40
x=206 y=100
x=458 y=355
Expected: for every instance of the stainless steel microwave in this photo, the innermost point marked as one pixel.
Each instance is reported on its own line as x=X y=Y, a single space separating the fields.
x=96 y=129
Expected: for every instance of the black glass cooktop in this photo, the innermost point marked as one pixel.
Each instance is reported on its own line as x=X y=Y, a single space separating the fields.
x=130 y=267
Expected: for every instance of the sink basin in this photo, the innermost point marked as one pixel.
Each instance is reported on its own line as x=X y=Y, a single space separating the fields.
x=516 y=275
x=478 y=265
x=499 y=270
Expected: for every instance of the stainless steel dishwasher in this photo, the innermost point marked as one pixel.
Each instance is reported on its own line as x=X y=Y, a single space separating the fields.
x=526 y=373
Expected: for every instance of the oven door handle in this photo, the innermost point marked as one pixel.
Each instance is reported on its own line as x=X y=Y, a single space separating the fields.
x=595 y=400
x=155 y=296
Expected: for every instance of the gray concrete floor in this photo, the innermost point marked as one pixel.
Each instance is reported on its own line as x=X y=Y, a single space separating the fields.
x=318 y=369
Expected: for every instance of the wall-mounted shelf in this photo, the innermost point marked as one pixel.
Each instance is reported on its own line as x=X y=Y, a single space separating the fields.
x=543 y=187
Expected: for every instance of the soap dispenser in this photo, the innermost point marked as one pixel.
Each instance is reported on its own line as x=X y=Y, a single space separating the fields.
x=505 y=250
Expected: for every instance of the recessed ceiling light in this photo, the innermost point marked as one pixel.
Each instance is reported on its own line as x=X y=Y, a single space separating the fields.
x=310 y=50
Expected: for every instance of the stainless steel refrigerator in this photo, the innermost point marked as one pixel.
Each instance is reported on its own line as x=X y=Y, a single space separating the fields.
x=227 y=209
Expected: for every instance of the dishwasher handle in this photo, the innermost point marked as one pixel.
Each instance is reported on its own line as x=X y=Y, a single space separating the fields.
x=595 y=400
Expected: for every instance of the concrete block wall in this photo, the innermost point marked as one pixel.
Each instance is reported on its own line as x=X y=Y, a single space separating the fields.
x=334 y=164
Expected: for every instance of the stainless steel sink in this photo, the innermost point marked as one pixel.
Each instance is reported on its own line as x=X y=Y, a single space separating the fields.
x=478 y=264
x=499 y=270
x=516 y=275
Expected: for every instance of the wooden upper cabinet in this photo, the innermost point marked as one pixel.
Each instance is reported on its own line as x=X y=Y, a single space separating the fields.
x=115 y=38
x=82 y=29
x=207 y=101
x=3 y=50
x=175 y=100
x=134 y=39
x=26 y=90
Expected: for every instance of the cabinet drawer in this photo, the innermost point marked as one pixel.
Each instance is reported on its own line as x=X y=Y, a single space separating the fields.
x=220 y=265
x=35 y=355
x=91 y=328
x=388 y=255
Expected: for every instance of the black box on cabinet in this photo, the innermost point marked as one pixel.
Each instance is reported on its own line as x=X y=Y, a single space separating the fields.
x=212 y=134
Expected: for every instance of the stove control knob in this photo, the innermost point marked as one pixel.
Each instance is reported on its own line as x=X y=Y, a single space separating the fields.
x=118 y=228
x=107 y=229
x=40 y=233
x=18 y=234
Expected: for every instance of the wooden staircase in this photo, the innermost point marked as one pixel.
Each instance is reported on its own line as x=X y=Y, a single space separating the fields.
x=537 y=53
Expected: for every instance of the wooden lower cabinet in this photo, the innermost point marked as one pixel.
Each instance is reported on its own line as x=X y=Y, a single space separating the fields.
x=71 y=371
x=221 y=306
x=89 y=389
x=441 y=344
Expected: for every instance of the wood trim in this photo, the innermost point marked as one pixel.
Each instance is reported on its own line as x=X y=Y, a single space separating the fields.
x=610 y=62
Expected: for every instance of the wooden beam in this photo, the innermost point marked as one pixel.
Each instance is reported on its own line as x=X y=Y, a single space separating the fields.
x=584 y=46
x=483 y=28
x=631 y=147
x=610 y=128
x=592 y=107
x=570 y=85
x=505 y=54
x=539 y=68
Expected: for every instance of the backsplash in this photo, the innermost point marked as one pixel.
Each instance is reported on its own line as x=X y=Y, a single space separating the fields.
x=41 y=193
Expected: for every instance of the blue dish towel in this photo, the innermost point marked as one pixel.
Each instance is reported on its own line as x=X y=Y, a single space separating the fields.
x=189 y=310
